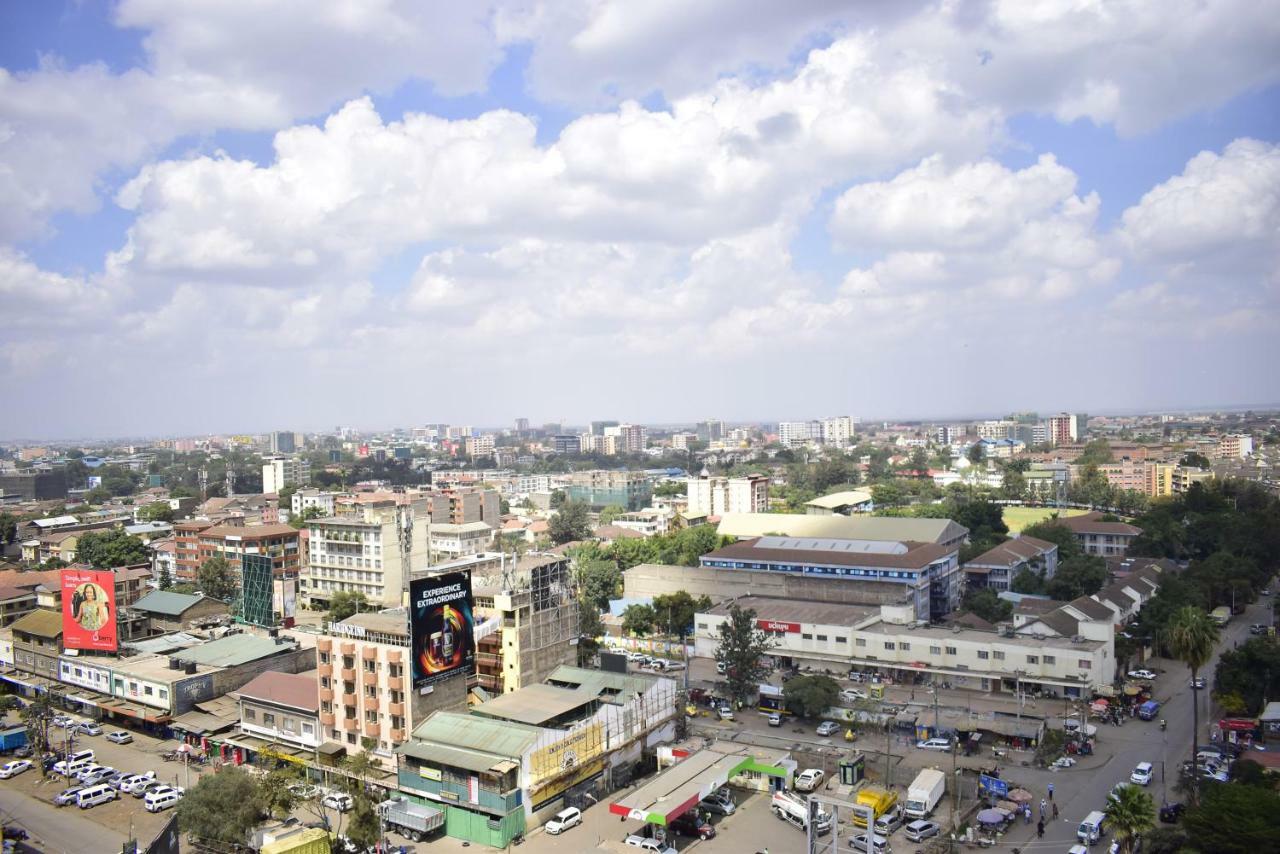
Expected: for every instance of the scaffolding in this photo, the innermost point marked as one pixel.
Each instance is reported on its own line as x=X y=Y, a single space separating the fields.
x=256 y=590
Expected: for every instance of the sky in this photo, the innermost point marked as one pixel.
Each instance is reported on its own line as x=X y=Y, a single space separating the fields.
x=242 y=215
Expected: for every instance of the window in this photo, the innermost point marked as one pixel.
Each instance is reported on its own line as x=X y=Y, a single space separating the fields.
x=703 y=625
x=888 y=644
x=250 y=715
x=1085 y=664
x=904 y=646
x=393 y=669
x=371 y=690
x=371 y=716
x=324 y=682
x=841 y=639
x=935 y=650
x=859 y=641
x=148 y=690
x=1033 y=659
x=806 y=636
x=268 y=719
x=348 y=662
x=983 y=654
x=1050 y=659
x=822 y=637
x=326 y=706
x=324 y=658
x=997 y=655
x=370 y=665
x=951 y=650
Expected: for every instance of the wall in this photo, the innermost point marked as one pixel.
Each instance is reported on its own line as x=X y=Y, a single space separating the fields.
x=722 y=584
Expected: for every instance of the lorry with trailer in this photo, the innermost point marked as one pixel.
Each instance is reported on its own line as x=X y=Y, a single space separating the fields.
x=878 y=798
x=411 y=820
x=924 y=793
x=794 y=810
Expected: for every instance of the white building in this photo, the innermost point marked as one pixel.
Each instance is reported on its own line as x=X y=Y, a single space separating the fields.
x=450 y=541
x=1235 y=446
x=305 y=499
x=480 y=446
x=281 y=471
x=680 y=441
x=364 y=552
x=719 y=495
x=793 y=433
x=837 y=431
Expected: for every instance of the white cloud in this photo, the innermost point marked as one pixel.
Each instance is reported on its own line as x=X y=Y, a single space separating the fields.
x=1221 y=208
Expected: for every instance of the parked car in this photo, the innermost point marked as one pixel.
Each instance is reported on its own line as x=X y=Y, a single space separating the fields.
x=889 y=822
x=67 y=796
x=14 y=768
x=719 y=803
x=1170 y=813
x=61 y=721
x=725 y=713
x=304 y=791
x=1064 y=762
x=809 y=779
x=134 y=784
x=775 y=719
x=162 y=799
x=644 y=843
x=92 y=796
x=1257 y=629
x=1141 y=674
x=690 y=824
x=95 y=774
x=1197 y=683
x=919 y=831
x=1141 y=774
x=850 y=695
x=339 y=801
x=828 y=728
x=935 y=744
x=877 y=844
x=89 y=728
x=153 y=786
x=120 y=737
x=565 y=819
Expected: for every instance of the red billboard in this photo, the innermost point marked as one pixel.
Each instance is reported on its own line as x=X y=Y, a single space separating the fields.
x=89 y=609
x=775 y=626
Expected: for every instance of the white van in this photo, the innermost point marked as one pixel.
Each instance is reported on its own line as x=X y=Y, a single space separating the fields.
x=74 y=763
x=1090 y=830
x=95 y=795
x=161 y=799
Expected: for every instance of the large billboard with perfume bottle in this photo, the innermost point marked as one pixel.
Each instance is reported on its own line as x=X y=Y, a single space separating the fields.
x=442 y=626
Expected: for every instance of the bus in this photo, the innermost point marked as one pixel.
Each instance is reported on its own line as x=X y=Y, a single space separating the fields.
x=771 y=700
x=1221 y=615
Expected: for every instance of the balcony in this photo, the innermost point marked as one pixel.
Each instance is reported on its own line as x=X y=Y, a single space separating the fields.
x=395 y=709
x=369 y=653
x=326 y=718
x=489 y=658
x=324 y=669
x=372 y=730
x=347 y=648
x=396 y=736
x=350 y=724
x=395 y=656
x=324 y=644
x=326 y=695
x=348 y=699
x=395 y=683
x=489 y=680
x=348 y=674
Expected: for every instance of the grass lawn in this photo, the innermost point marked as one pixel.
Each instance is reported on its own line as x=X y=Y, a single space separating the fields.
x=1018 y=518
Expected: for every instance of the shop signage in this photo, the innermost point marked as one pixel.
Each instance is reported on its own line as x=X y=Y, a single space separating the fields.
x=775 y=626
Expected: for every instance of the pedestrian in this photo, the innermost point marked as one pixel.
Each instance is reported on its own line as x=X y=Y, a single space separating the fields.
x=1027 y=815
x=1055 y=812
x=1050 y=791
x=1040 y=829
x=1044 y=807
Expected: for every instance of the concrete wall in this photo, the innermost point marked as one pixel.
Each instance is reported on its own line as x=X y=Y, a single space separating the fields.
x=447 y=695
x=721 y=584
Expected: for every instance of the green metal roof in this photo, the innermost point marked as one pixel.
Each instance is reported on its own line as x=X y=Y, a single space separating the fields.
x=232 y=650
x=165 y=602
x=470 y=732
x=597 y=682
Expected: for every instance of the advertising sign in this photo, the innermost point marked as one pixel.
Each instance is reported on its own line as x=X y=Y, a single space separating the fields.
x=993 y=786
x=574 y=749
x=284 y=599
x=89 y=609
x=775 y=626
x=442 y=626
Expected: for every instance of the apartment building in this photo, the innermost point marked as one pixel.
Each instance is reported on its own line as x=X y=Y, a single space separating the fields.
x=998 y=567
x=1160 y=479
x=305 y=499
x=709 y=431
x=281 y=471
x=370 y=551
x=463 y=505
x=1234 y=446
x=450 y=542
x=566 y=444
x=719 y=495
x=283 y=442
x=280 y=709
x=838 y=431
x=1184 y=477
x=197 y=542
x=1063 y=429
x=995 y=430
x=681 y=441
x=480 y=446
x=629 y=490
x=792 y=434
x=631 y=438
x=1097 y=537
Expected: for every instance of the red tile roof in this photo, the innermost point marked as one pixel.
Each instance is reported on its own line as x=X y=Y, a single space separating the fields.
x=296 y=690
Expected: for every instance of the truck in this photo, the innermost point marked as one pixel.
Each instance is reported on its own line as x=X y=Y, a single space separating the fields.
x=1221 y=615
x=794 y=810
x=878 y=798
x=300 y=840
x=924 y=793
x=12 y=737
x=411 y=820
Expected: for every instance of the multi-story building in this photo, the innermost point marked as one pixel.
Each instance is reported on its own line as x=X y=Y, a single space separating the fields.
x=719 y=495
x=629 y=490
x=1031 y=434
x=1184 y=477
x=944 y=435
x=632 y=438
x=480 y=446
x=997 y=567
x=794 y=433
x=1160 y=479
x=838 y=431
x=304 y=499
x=566 y=444
x=281 y=709
x=589 y=443
x=522 y=425
x=1098 y=537
x=994 y=430
x=1235 y=446
x=451 y=542
x=1121 y=474
x=465 y=504
x=35 y=485
x=1063 y=429
x=199 y=541
x=283 y=442
x=598 y=428
x=369 y=551
x=709 y=431
x=680 y=441
x=281 y=471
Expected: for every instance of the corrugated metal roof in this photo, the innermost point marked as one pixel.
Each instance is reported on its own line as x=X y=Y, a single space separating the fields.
x=841 y=527
x=232 y=650
x=166 y=602
x=534 y=704
x=840 y=499
x=502 y=738
x=41 y=623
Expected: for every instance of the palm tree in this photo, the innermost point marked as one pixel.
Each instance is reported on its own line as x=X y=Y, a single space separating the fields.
x=1190 y=637
x=1130 y=813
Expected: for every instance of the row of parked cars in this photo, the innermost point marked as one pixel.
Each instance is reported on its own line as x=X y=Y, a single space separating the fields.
x=97 y=784
x=89 y=728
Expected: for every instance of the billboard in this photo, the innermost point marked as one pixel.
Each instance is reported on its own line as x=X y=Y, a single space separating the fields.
x=284 y=599
x=442 y=626
x=89 y=609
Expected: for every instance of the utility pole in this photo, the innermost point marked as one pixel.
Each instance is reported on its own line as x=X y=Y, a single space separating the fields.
x=888 y=774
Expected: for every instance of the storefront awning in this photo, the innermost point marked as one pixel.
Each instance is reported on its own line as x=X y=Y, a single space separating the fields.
x=199 y=723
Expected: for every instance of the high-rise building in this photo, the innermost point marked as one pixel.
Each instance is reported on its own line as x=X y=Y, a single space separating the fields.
x=198 y=541
x=632 y=438
x=793 y=433
x=837 y=431
x=522 y=425
x=566 y=444
x=281 y=471
x=680 y=441
x=598 y=427
x=1062 y=429
x=480 y=446
x=944 y=435
x=716 y=496
x=710 y=431
x=367 y=551
x=283 y=442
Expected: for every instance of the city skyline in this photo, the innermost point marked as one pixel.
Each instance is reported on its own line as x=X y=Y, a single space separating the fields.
x=909 y=208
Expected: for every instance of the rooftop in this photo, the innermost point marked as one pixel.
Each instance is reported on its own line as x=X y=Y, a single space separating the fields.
x=777 y=550
x=798 y=611
x=1030 y=641
x=296 y=690
x=835 y=500
x=1091 y=523
x=469 y=741
x=535 y=704
x=41 y=623
x=233 y=650
x=394 y=622
x=249 y=532
x=841 y=527
x=168 y=603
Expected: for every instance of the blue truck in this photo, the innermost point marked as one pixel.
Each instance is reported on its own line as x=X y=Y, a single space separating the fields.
x=12 y=737
x=1147 y=711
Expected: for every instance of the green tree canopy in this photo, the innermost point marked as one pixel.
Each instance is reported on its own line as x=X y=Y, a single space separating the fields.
x=1081 y=575
x=598 y=581
x=740 y=648
x=344 y=603
x=1235 y=819
x=1026 y=580
x=156 y=511
x=110 y=549
x=1251 y=671
x=216 y=579
x=1190 y=637
x=223 y=807
x=611 y=512
x=1053 y=531
x=571 y=522
x=8 y=528
x=810 y=696
x=639 y=620
x=1096 y=452
x=985 y=603
x=674 y=611
x=1130 y=814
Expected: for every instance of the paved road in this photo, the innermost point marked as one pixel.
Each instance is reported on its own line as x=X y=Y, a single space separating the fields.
x=61 y=831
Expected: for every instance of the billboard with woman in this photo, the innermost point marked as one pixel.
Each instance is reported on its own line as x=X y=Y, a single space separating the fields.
x=89 y=609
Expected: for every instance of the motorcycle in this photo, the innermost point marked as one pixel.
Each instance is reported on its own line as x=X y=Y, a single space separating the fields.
x=1163 y=725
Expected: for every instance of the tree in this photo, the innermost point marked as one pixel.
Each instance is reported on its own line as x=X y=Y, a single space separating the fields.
x=613 y=511
x=977 y=453
x=8 y=528
x=810 y=696
x=1052 y=530
x=590 y=628
x=888 y=495
x=985 y=603
x=165 y=581
x=216 y=579
x=1164 y=840
x=1195 y=460
x=639 y=619
x=740 y=649
x=1130 y=813
x=558 y=498
x=300 y=520
x=571 y=522
x=1234 y=820
x=36 y=715
x=362 y=827
x=223 y=807
x=273 y=793
x=344 y=603
x=674 y=612
x=110 y=549
x=1190 y=638
x=156 y=511
x=1013 y=486
x=669 y=488
x=598 y=582
x=1027 y=580
x=1082 y=575
x=1096 y=452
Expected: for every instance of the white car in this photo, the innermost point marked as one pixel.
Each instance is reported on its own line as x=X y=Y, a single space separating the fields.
x=935 y=744
x=850 y=695
x=564 y=820
x=1141 y=674
x=1064 y=762
x=130 y=785
x=120 y=737
x=878 y=844
x=1141 y=774
x=828 y=728
x=644 y=843
x=809 y=779
x=304 y=791
x=725 y=713
x=919 y=831
x=339 y=801
x=14 y=768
